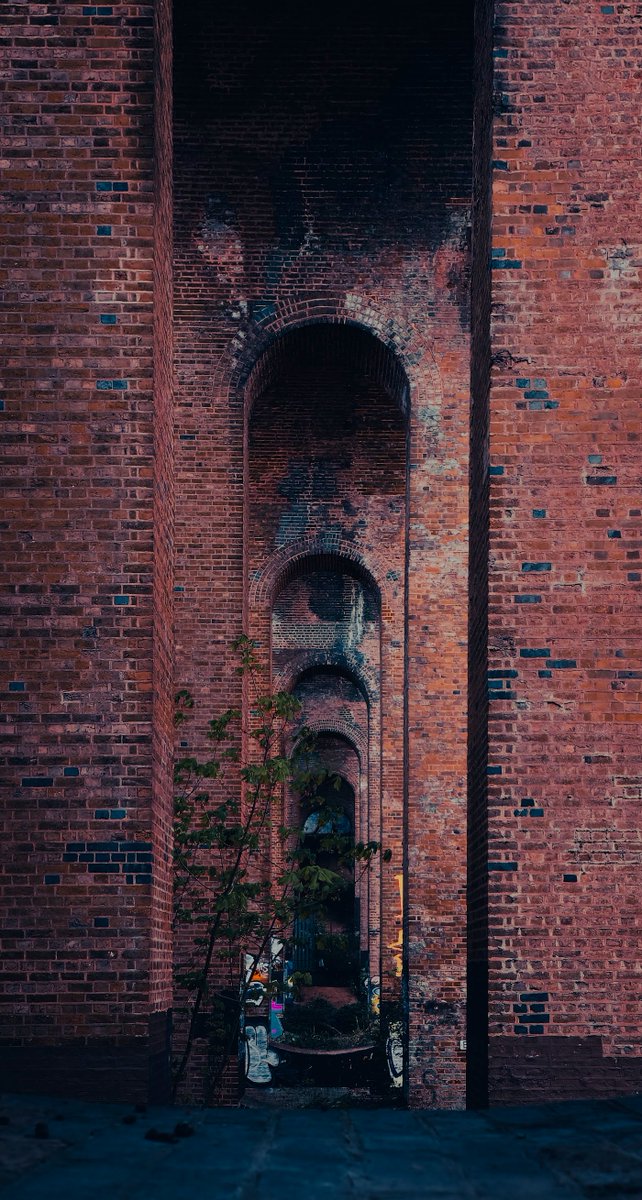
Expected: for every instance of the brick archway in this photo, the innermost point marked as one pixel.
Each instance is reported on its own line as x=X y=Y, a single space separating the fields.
x=331 y=594
x=407 y=358
x=324 y=549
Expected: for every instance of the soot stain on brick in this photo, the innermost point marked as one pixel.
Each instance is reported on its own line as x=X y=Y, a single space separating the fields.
x=324 y=478
x=370 y=606
x=531 y=1013
x=293 y=523
x=369 y=149
x=288 y=211
x=296 y=482
x=327 y=596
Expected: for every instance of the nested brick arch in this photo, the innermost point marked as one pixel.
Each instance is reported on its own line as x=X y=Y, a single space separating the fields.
x=328 y=712
x=336 y=739
x=411 y=367
x=351 y=735
x=327 y=551
x=325 y=343
x=344 y=665
x=288 y=259
x=333 y=711
x=326 y=400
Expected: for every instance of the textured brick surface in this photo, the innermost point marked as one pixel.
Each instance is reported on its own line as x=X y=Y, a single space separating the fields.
x=368 y=367
x=477 y=899
x=78 y=429
x=565 y=665
x=161 y=992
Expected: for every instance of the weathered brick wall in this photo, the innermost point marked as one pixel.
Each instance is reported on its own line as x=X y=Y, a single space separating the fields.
x=565 y=831
x=323 y=173
x=80 y=979
x=161 y=957
x=477 y=987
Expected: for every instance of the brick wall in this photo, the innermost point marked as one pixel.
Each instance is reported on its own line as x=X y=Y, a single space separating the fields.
x=477 y=987
x=77 y=270
x=564 y=808
x=161 y=994
x=323 y=177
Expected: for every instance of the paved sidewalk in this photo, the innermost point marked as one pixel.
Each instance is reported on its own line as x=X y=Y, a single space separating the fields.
x=66 y=1150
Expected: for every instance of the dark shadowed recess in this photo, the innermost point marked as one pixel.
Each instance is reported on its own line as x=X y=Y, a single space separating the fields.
x=363 y=117
x=318 y=349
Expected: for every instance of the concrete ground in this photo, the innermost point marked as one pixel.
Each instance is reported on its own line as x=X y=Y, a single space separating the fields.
x=68 y=1150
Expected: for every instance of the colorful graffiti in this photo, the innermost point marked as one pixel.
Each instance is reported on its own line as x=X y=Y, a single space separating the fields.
x=256 y=980
x=263 y=983
x=394 y=1053
x=373 y=993
x=276 y=1018
x=259 y=1058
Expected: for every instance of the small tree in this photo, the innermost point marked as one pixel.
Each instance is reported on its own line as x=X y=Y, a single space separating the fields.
x=242 y=876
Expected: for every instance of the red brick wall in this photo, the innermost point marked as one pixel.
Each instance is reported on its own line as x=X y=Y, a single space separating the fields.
x=77 y=272
x=323 y=173
x=477 y=985
x=161 y=990
x=565 y=833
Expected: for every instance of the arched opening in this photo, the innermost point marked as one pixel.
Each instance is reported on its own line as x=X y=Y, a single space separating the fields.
x=315 y=347
x=326 y=442
x=327 y=948
x=326 y=470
